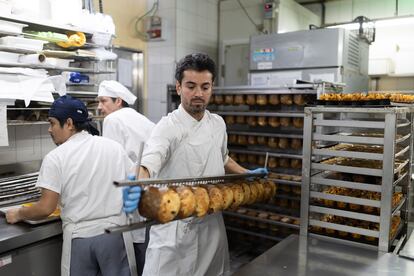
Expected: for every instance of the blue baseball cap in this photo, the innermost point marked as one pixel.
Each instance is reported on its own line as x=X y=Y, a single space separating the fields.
x=68 y=107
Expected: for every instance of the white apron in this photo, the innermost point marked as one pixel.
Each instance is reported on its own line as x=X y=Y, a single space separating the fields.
x=193 y=246
x=70 y=228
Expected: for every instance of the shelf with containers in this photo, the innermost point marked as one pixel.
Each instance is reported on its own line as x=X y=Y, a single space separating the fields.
x=356 y=175
x=58 y=61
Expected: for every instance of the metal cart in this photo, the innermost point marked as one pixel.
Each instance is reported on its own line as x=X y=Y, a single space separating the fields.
x=385 y=168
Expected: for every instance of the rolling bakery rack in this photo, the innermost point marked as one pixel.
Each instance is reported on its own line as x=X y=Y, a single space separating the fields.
x=356 y=174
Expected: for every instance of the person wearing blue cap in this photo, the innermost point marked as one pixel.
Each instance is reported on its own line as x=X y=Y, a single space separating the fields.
x=129 y=128
x=189 y=142
x=78 y=176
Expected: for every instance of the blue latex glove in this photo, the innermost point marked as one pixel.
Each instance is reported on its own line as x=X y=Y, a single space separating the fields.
x=258 y=170
x=131 y=196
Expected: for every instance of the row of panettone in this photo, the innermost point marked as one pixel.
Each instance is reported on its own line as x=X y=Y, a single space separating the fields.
x=395 y=222
x=263 y=121
x=273 y=162
x=167 y=203
x=370 y=96
x=271 y=142
x=260 y=99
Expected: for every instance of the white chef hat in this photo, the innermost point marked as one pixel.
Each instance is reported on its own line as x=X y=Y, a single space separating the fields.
x=114 y=89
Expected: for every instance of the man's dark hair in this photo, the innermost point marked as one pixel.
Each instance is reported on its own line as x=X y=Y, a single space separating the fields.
x=198 y=62
x=79 y=126
x=124 y=103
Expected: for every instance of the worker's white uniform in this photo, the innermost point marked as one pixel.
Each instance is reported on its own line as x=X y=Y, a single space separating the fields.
x=82 y=171
x=181 y=146
x=129 y=128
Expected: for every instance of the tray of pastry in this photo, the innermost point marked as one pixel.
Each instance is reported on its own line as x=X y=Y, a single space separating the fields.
x=181 y=198
x=275 y=120
x=351 y=229
x=373 y=152
x=52 y=217
x=359 y=166
x=343 y=199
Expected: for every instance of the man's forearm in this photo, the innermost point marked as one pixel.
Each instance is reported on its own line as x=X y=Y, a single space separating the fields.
x=232 y=167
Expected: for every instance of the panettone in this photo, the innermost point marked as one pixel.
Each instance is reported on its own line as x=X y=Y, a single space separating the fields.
x=216 y=198
x=202 y=201
x=274 y=99
x=187 y=202
x=286 y=99
x=161 y=204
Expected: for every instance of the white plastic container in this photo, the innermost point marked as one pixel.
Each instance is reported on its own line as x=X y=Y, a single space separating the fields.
x=22 y=43
x=11 y=27
x=8 y=57
x=42 y=59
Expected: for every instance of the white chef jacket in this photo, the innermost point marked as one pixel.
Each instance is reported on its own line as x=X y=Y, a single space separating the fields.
x=181 y=146
x=129 y=128
x=82 y=171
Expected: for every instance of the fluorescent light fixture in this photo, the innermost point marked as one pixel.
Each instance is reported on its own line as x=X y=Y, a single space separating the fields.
x=383 y=22
x=397 y=21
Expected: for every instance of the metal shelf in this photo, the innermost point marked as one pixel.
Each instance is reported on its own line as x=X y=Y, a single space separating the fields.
x=230 y=228
x=57 y=68
x=318 y=179
x=347 y=199
x=346 y=169
x=345 y=228
x=24 y=123
x=348 y=139
x=350 y=154
x=282 y=135
x=16 y=50
x=297 y=198
x=46 y=25
x=267 y=221
x=344 y=213
x=285 y=182
x=271 y=154
x=398 y=207
x=277 y=209
x=265 y=114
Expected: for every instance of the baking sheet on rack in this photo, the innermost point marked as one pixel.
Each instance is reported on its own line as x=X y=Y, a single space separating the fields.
x=31 y=222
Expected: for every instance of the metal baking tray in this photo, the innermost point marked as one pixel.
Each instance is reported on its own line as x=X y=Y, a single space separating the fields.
x=28 y=221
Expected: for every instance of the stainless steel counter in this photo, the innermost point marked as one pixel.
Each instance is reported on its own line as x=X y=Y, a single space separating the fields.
x=22 y=234
x=309 y=256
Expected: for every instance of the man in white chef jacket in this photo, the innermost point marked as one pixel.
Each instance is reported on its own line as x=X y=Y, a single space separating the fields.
x=78 y=175
x=189 y=142
x=129 y=128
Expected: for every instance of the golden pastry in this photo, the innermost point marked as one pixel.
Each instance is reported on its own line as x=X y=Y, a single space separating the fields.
x=228 y=99
x=239 y=99
x=274 y=99
x=261 y=99
x=229 y=119
x=252 y=121
x=218 y=99
x=285 y=121
x=286 y=99
x=274 y=121
x=262 y=121
x=240 y=119
x=262 y=140
x=251 y=99
x=273 y=142
x=251 y=140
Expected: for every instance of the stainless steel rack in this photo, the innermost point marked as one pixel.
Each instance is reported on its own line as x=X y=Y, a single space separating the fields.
x=390 y=128
x=18 y=189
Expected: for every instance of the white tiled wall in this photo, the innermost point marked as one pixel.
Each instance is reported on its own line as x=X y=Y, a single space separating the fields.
x=26 y=143
x=192 y=27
